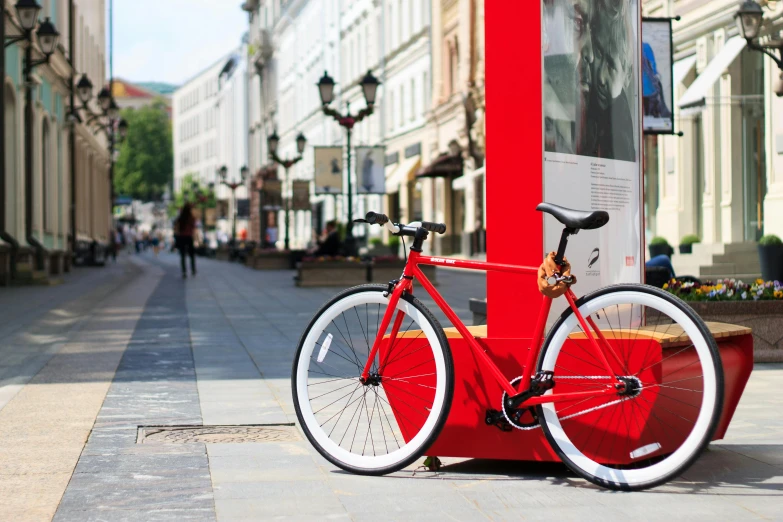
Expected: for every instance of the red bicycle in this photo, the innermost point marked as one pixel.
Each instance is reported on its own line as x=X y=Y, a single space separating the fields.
x=627 y=385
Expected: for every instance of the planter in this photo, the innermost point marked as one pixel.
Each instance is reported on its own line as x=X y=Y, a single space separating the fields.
x=331 y=273
x=659 y=250
x=223 y=254
x=771 y=258
x=388 y=271
x=765 y=318
x=686 y=249
x=270 y=261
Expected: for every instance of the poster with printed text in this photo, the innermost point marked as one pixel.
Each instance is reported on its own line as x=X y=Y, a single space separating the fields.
x=371 y=170
x=328 y=170
x=592 y=135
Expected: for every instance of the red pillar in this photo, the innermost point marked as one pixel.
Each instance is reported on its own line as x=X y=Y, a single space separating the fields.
x=515 y=162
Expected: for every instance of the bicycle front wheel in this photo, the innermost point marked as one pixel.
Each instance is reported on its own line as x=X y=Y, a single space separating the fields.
x=661 y=401
x=386 y=423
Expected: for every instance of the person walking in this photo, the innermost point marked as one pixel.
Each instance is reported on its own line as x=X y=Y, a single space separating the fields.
x=184 y=228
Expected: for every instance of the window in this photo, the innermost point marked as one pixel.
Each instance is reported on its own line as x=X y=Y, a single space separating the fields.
x=402 y=105
x=45 y=167
x=399 y=23
x=425 y=92
x=412 y=21
x=391 y=110
x=413 y=99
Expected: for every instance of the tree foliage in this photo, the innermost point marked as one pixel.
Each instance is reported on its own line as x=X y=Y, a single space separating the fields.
x=145 y=165
x=191 y=189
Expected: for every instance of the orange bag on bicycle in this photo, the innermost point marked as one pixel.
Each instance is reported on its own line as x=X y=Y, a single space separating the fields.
x=547 y=270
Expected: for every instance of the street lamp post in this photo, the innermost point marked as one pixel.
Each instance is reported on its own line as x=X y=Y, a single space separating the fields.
x=749 y=18
x=115 y=128
x=233 y=185
x=272 y=141
x=27 y=12
x=326 y=90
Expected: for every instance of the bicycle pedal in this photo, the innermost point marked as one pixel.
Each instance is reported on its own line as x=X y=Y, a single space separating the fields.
x=497 y=419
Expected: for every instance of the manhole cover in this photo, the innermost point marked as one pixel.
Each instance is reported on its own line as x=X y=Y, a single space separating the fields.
x=216 y=434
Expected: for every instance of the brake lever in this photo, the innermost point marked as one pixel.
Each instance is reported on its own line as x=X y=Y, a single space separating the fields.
x=361 y=220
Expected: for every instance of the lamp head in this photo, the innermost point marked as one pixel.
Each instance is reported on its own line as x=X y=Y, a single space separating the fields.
x=326 y=88
x=47 y=37
x=272 y=142
x=370 y=87
x=27 y=13
x=748 y=19
x=301 y=142
x=84 y=89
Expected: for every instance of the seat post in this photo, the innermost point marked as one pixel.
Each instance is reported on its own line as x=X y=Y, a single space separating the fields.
x=563 y=244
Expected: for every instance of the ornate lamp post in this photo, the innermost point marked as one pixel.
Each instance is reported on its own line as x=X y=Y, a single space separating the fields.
x=46 y=35
x=272 y=141
x=749 y=18
x=233 y=185
x=326 y=90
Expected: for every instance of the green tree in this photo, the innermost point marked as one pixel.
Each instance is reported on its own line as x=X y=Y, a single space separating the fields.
x=145 y=165
x=189 y=193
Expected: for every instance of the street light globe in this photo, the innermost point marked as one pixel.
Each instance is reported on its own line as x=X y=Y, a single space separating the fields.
x=748 y=19
x=84 y=89
x=243 y=172
x=223 y=172
x=326 y=88
x=47 y=37
x=301 y=142
x=104 y=99
x=27 y=12
x=272 y=142
x=370 y=87
x=114 y=111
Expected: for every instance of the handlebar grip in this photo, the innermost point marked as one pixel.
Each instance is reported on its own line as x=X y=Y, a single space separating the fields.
x=440 y=228
x=376 y=218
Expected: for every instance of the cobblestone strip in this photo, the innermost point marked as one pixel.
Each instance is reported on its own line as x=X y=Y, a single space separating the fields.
x=155 y=384
x=43 y=428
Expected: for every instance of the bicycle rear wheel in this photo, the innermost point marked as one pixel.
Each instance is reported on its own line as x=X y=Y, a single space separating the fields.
x=385 y=424
x=663 y=396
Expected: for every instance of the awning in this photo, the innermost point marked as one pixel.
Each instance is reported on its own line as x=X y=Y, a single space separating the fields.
x=461 y=182
x=390 y=173
x=445 y=165
x=681 y=69
x=696 y=94
x=402 y=174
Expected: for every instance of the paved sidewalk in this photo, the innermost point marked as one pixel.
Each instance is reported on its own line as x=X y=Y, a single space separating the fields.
x=217 y=349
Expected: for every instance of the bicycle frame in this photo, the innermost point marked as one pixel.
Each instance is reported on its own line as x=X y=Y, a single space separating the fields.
x=412 y=271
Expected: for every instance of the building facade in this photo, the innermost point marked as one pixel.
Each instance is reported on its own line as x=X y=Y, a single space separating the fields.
x=722 y=180
x=453 y=174
x=210 y=131
x=34 y=248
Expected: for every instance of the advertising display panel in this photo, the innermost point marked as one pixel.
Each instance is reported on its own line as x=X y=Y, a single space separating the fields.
x=272 y=195
x=592 y=138
x=657 y=77
x=301 y=195
x=371 y=170
x=328 y=170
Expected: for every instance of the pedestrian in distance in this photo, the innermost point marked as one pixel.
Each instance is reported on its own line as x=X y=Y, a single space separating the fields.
x=183 y=229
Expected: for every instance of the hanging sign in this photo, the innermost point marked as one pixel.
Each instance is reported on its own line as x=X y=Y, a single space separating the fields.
x=657 y=76
x=371 y=170
x=328 y=170
x=300 y=190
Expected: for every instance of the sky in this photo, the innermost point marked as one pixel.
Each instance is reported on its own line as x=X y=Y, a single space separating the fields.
x=173 y=40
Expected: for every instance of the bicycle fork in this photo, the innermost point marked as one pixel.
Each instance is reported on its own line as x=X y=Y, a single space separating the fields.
x=394 y=299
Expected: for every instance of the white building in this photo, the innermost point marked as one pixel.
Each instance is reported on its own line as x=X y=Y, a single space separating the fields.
x=69 y=208
x=721 y=180
x=210 y=131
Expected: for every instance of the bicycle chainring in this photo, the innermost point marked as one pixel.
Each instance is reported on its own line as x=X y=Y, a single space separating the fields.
x=520 y=418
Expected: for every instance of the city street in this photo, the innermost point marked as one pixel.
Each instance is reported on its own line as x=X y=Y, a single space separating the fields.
x=84 y=364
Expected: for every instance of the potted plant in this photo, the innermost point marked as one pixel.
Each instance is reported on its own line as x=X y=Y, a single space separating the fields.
x=686 y=243
x=394 y=245
x=771 y=258
x=660 y=247
x=375 y=242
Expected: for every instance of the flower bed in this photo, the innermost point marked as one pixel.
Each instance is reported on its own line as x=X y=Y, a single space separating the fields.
x=331 y=271
x=757 y=305
x=270 y=259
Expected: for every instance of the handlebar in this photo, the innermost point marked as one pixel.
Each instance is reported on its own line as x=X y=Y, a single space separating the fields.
x=376 y=218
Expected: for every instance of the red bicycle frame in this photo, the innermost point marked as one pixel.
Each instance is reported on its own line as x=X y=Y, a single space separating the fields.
x=412 y=271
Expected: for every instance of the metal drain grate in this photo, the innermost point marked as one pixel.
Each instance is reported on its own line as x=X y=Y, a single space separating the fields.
x=216 y=434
